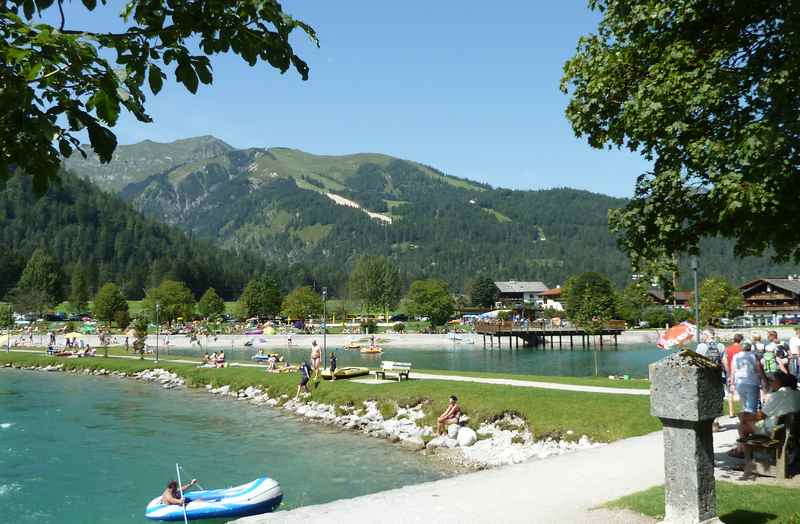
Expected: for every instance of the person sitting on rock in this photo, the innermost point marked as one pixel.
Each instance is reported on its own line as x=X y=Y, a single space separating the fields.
x=450 y=415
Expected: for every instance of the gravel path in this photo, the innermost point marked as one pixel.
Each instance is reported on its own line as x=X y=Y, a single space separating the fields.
x=563 y=489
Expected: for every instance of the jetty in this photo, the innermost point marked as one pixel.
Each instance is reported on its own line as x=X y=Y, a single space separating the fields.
x=541 y=332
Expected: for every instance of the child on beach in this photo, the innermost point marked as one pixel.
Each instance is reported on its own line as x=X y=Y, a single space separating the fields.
x=333 y=366
x=305 y=376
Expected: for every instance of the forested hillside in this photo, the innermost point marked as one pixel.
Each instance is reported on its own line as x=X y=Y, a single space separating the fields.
x=322 y=212
x=82 y=226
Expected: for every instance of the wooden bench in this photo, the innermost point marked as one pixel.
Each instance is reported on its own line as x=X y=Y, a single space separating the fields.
x=401 y=369
x=781 y=448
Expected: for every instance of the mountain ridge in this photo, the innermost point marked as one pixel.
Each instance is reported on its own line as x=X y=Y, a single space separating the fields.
x=277 y=201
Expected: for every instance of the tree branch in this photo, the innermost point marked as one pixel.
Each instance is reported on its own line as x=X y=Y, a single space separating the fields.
x=61 y=12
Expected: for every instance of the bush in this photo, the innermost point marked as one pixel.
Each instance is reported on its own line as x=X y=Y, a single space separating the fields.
x=656 y=316
x=504 y=315
x=400 y=327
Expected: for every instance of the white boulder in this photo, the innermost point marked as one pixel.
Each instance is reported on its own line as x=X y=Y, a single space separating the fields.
x=466 y=437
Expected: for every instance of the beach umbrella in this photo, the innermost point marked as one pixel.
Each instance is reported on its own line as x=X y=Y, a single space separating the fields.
x=73 y=335
x=677 y=335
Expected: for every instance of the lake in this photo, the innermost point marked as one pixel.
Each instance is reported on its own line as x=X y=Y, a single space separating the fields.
x=84 y=449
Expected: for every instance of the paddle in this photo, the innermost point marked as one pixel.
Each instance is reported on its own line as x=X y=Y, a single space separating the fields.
x=180 y=488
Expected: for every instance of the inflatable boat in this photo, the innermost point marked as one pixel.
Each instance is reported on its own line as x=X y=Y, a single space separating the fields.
x=372 y=349
x=259 y=496
x=345 y=372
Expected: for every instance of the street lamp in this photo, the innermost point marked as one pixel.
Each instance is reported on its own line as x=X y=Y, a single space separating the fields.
x=693 y=264
x=325 y=324
x=158 y=327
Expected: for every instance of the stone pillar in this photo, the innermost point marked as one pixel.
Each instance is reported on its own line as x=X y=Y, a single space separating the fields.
x=686 y=394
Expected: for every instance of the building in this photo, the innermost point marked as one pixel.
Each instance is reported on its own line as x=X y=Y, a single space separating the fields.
x=551 y=299
x=514 y=293
x=681 y=300
x=772 y=300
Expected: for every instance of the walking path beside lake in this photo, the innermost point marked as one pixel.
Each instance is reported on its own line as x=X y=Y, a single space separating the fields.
x=453 y=378
x=562 y=489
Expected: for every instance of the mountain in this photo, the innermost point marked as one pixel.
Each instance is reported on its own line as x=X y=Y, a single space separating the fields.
x=86 y=228
x=323 y=211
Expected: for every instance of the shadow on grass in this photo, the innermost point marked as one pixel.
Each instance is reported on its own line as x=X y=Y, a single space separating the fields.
x=743 y=516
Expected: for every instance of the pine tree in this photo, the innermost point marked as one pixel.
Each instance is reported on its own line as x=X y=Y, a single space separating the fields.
x=78 y=289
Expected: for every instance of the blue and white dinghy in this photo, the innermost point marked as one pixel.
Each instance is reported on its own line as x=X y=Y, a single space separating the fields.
x=259 y=496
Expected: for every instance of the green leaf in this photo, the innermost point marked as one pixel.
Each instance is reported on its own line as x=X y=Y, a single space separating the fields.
x=156 y=78
x=90 y=4
x=203 y=71
x=65 y=147
x=103 y=141
x=28 y=7
x=185 y=74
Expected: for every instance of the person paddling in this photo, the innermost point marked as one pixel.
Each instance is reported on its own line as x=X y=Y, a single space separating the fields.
x=172 y=495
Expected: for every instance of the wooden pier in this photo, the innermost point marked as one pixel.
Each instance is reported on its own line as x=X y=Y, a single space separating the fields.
x=540 y=334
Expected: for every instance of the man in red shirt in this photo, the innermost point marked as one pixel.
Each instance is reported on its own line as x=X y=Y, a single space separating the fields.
x=730 y=352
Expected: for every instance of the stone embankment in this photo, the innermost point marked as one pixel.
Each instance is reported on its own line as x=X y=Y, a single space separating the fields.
x=507 y=440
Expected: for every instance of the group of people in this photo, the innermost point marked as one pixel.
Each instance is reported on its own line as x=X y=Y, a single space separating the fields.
x=764 y=377
x=315 y=368
x=216 y=359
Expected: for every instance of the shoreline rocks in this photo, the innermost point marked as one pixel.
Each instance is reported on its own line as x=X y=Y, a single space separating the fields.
x=507 y=440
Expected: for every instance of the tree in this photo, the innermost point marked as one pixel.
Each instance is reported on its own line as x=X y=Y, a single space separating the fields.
x=302 y=303
x=483 y=292
x=590 y=300
x=705 y=91
x=57 y=80
x=656 y=316
x=718 y=299
x=78 y=289
x=11 y=266
x=430 y=298
x=210 y=304
x=29 y=301
x=632 y=302
x=261 y=298
x=42 y=273
x=375 y=281
x=174 y=298
x=108 y=302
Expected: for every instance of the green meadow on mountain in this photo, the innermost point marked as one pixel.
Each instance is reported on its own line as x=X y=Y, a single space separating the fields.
x=292 y=207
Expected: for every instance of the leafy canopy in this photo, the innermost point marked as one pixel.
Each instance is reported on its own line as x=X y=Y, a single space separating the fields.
x=483 y=292
x=211 y=304
x=719 y=298
x=590 y=300
x=430 y=298
x=302 y=303
x=108 y=302
x=43 y=273
x=708 y=91
x=56 y=80
x=375 y=281
x=261 y=298
x=174 y=299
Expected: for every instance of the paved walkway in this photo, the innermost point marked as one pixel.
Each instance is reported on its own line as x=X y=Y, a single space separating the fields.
x=431 y=376
x=562 y=489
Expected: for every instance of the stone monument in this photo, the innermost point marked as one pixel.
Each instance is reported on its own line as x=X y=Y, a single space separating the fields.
x=686 y=394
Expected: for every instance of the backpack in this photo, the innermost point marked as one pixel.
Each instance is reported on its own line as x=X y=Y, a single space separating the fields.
x=769 y=362
x=714 y=353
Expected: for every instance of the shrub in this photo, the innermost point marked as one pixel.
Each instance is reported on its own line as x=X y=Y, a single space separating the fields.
x=122 y=318
x=400 y=327
x=370 y=327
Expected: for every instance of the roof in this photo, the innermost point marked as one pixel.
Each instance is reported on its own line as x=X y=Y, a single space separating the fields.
x=512 y=286
x=789 y=284
x=680 y=296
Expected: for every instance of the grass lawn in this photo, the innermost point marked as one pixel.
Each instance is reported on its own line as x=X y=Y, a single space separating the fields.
x=603 y=417
x=638 y=383
x=736 y=503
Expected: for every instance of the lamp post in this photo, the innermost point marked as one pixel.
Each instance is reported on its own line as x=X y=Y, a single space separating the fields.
x=325 y=324
x=8 y=330
x=693 y=264
x=158 y=327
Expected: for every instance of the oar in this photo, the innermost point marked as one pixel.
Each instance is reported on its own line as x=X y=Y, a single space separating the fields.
x=180 y=488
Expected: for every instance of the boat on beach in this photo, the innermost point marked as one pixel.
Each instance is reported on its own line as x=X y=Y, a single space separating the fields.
x=254 y=498
x=345 y=372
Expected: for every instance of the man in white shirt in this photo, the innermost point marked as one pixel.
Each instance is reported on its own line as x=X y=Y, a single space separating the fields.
x=794 y=352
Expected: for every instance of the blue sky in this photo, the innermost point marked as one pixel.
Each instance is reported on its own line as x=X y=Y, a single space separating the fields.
x=468 y=87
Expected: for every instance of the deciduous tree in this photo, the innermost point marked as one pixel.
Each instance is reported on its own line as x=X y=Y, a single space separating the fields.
x=483 y=292
x=174 y=298
x=708 y=92
x=261 y=298
x=589 y=300
x=719 y=298
x=108 y=302
x=302 y=303
x=430 y=298
x=59 y=79
x=210 y=304
x=375 y=281
x=42 y=273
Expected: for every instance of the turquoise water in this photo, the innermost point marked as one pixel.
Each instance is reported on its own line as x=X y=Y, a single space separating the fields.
x=83 y=449
x=629 y=359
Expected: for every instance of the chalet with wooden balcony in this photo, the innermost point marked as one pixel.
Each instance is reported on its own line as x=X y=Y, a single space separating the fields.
x=514 y=293
x=680 y=299
x=772 y=299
